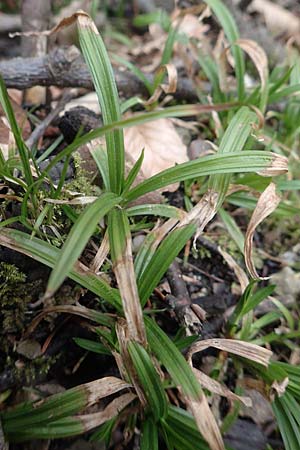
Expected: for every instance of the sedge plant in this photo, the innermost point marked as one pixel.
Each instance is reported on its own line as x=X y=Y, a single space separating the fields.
x=151 y=365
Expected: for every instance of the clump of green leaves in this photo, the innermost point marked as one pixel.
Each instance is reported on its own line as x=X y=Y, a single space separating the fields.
x=150 y=363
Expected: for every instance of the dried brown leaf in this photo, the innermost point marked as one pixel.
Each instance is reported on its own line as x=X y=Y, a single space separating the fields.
x=278 y=166
x=217 y=388
x=103 y=388
x=125 y=275
x=239 y=272
x=101 y=254
x=125 y=363
x=280 y=386
x=206 y=422
x=241 y=348
x=163 y=147
x=168 y=88
x=266 y=204
x=77 y=310
x=90 y=421
x=258 y=56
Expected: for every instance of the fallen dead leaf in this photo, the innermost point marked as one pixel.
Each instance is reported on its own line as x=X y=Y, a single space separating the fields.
x=5 y=132
x=278 y=19
x=266 y=204
x=191 y=26
x=162 y=146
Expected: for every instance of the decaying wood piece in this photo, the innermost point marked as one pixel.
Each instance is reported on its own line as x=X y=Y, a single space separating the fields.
x=64 y=67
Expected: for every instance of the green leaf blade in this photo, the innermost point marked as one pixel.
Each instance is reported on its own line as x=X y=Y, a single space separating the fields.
x=78 y=237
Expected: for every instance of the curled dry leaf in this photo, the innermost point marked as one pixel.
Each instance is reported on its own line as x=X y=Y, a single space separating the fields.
x=217 y=388
x=239 y=272
x=267 y=203
x=168 y=88
x=162 y=146
x=258 y=56
x=240 y=348
x=280 y=386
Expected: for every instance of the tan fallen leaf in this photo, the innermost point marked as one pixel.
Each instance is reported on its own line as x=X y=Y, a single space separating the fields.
x=191 y=26
x=278 y=19
x=162 y=146
x=6 y=138
x=266 y=204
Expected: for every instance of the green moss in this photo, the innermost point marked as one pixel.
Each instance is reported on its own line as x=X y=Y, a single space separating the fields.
x=29 y=372
x=15 y=293
x=83 y=181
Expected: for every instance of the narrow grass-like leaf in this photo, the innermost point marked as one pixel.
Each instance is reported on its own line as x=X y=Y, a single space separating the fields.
x=246 y=161
x=92 y=346
x=285 y=92
x=103 y=434
x=181 y=427
x=233 y=141
x=231 y=31
x=210 y=69
x=161 y=260
x=78 y=237
x=100 y=157
x=168 y=354
x=149 y=435
x=78 y=310
x=133 y=173
x=149 y=380
x=243 y=200
x=121 y=252
x=72 y=426
x=136 y=119
x=156 y=210
x=23 y=150
x=233 y=229
x=100 y=67
x=135 y=70
x=60 y=405
x=287 y=426
x=48 y=254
